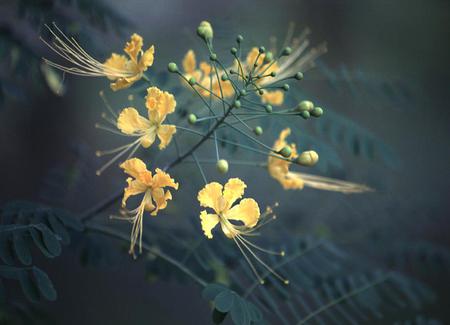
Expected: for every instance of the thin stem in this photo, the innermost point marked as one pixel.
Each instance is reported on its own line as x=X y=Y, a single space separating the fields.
x=199 y=167
x=116 y=234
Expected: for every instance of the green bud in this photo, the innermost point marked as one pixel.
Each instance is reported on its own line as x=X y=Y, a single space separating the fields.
x=172 y=67
x=269 y=108
x=308 y=158
x=305 y=114
x=222 y=166
x=317 y=112
x=224 y=77
x=213 y=57
x=258 y=130
x=285 y=87
x=261 y=92
x=237 y=104
x=286 y=51
x=233 y=50
x=298 y=76
x=262 y=49
x=192 y=118
x=192 y=81
x=243 y=92
x=205 y=31
x=273 y=74
x=268 y=57
x=285 y=152
x=305 y=105
x=239 y=38
x=232 y=71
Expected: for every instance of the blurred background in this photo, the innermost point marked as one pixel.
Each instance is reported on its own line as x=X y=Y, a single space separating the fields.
x=384 y=85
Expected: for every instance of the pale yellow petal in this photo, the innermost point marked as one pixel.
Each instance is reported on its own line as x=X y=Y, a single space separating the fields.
x=251 y=57
x=134 y=167
x=130 y=122
x=147 y=58
x=152 y=98
x=122 y=83
x=166 y=105
x=205 y=68
x=189 y=62
x=162 y=179
x=115 y=65
x=210 y=195
x=233 y=190
x=160 y=198
x=246 y=211
x=273 y=97
x=160 y=101
x=134 y=188
x=134 y=46
x=148 y=139
x=165 y=133
x=208 y=221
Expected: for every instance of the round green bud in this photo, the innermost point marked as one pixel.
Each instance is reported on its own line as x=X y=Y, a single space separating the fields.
x=213 y=57
x=286 y=51
x=298 y=76
x=258 y=130
x=285 y=87
x=305 y=114
x=224 y=77
x=172 y=67
x=269 y=108
x=205 y=31
x=239 y=38
x=237 y=104
x=222 y=166
x=307 y=158
x=192 y=118
x=192 y=81
x=261 y=92
x=317 y=112
x=268 y=57
x=273 y=74
x=232 y=71
x=305 y=105
x=262 y=49
x=243 y=92
x=285 y=152
x=233 y=50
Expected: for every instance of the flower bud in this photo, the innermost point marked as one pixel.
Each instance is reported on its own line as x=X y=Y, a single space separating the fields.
x=317 y=112
x=192 y=81
x=305 y=115
x=285 y=151
x=268 y=57
x=243 y=92
x=285 y=87
x=308 y=158
x=273 y=74
x=269 y=108
x=233 y=50
x=224 y=77
x=298 y=76
x=286 y=51
x=222 y=166
x=258 y=130
x=305 y=105
x=172 y=67
x=261 y=92
x=213 y=57
x=205 y=31
x=262 y=49
x=239 y=38
x=192 y=118
x=237 y=104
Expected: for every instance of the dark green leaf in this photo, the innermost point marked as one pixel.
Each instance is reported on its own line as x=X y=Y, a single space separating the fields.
x=239 y=313
x=28 y=287
x=218 y=317
x=6 y=249
x=212 y=290
x=39 y=241
x=44 y=284
x=59 y=229
x=50 y=240
x=225 y=301
x=21 y=247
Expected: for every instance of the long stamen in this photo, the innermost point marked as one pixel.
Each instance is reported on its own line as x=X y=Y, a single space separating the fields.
x=120 y=154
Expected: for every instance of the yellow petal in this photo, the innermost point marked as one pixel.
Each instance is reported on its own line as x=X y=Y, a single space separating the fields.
x=246 y=211
x=165 y=133
x=134 y=46
x=273 y=97
x=251 y=57
x=152 y=98
x=209 y=196
x=162 y=179
x=208 y=221
x=233 y=190
x=160 y=198
x=148 y=139
x=147 y=58
x=115 y=65
x=134 y=167
x=130 y=122
x=205 y=68
x=189 y=63
x=161 y=102
x=134 y=188
x=122 y=83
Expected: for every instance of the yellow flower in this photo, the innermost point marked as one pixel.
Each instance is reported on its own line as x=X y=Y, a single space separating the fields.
x=236 y=220
x=159 y=104
x=124 y=71
x=279 y=169
x=206 y=77
x=155 y=198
